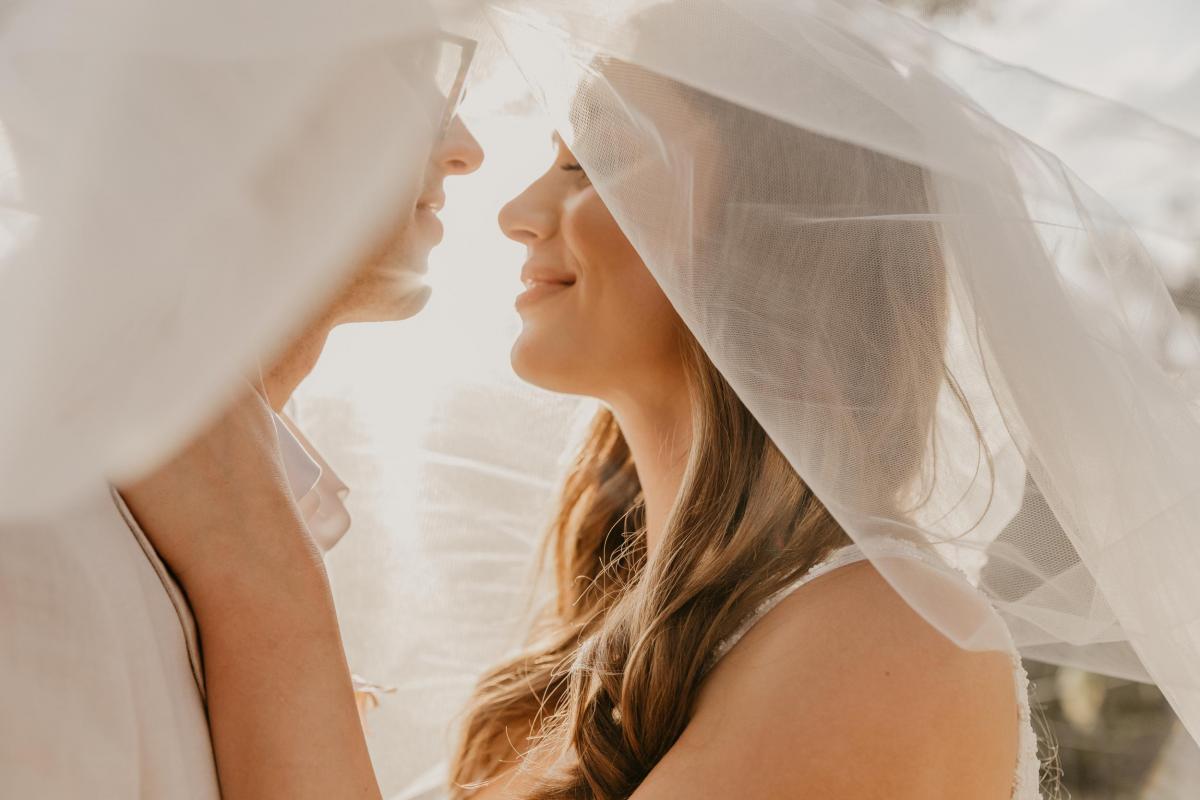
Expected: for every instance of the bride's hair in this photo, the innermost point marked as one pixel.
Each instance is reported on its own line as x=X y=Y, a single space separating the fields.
x=744 y=526
x=611 y=671
x=612 y=668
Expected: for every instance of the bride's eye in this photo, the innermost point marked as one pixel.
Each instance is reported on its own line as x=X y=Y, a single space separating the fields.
x=574 y=167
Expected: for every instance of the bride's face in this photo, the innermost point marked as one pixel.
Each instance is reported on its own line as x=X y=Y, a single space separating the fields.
x=595 y=322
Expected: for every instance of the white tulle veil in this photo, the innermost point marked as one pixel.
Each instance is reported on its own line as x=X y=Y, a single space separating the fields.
x=172 y=184
x=936 y=282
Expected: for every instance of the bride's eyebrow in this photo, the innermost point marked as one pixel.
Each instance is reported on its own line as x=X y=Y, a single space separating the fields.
x=558 y=144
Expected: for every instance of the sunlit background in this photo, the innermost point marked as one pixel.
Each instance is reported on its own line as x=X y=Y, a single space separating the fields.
x=417 y=413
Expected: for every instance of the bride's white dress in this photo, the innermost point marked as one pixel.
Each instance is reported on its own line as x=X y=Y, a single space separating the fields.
x=1026 y=781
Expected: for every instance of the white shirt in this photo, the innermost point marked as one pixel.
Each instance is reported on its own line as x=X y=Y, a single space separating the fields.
x=101 y=683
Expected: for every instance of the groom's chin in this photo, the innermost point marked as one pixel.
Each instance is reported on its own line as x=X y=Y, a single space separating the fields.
x=383 y=299
x=412 y=303
x=404 y=303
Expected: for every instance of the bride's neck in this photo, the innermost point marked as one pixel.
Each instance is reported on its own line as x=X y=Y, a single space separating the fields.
x=659 y=435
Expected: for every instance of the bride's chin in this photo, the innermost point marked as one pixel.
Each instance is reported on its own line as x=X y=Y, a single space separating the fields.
x=521 y=361
x=535 y=363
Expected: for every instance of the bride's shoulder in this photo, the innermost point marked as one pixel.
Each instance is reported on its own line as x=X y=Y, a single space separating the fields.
x=851 y=611
x=849 y=628
x=844 y=673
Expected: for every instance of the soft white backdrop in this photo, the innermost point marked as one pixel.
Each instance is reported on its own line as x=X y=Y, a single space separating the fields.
x=415 y=414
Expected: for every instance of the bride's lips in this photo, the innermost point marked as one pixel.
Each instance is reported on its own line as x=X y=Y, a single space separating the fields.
x=541 y=283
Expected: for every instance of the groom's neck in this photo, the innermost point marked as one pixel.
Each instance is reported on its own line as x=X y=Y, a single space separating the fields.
x=297 y=361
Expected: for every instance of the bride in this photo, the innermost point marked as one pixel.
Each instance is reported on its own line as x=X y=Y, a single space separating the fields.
x=714 y=632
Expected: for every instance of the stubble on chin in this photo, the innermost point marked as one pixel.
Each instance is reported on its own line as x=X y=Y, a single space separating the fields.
x=410 y=302
x=389 y=285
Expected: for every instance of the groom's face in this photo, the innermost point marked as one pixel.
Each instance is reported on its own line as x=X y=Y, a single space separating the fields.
x=390 y=284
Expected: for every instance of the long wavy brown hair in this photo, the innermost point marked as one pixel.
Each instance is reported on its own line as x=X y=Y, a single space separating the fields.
x=609 y=675
x=745 y=525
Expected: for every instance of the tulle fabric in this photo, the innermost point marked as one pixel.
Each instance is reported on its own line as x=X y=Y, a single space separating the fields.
x=890 y=248
x=181 y=184
x=953 y=339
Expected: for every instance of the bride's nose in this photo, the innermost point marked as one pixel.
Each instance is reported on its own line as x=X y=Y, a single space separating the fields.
x=530 y=216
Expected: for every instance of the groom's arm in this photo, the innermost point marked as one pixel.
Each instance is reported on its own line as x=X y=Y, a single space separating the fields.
x=281 y=704
x=280 y=699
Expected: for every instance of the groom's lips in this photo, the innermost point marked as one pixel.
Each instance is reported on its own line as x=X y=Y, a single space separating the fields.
x=427 y=207
x=433 y=201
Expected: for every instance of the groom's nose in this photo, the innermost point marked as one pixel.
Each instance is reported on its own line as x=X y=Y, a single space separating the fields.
x=458 y=152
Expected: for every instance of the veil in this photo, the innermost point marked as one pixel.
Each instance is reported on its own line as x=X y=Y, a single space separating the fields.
x=951 y=335
x=953 y=339
x=172 y=184
x=942 y=302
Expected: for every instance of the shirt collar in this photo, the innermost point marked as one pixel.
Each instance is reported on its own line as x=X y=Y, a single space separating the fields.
x=318 y=491
x=302 y=470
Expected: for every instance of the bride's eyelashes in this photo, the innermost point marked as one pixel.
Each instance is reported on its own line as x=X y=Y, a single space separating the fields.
x=573 y=166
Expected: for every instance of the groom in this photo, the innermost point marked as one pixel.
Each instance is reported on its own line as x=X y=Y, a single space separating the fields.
x=101 y=683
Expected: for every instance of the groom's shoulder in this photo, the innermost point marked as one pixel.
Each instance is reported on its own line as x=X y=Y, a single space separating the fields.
x=88 y=521
x=64 y=582
x=79 y=553
x=91 y=520
x=81 y=582
x=94 y=661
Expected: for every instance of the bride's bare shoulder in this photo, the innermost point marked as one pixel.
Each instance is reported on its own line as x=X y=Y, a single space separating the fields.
x=844 y=691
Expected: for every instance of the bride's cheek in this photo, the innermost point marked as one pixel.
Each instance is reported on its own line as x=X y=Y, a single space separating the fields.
x=622 y=311
x=595 y=236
